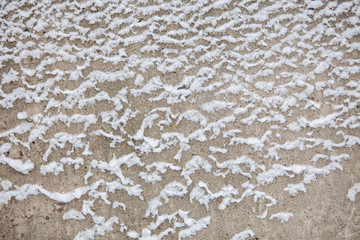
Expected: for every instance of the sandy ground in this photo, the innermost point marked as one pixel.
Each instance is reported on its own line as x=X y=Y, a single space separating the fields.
x=214 y=48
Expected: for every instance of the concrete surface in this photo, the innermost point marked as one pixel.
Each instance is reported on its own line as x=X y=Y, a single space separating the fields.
x=200 y=51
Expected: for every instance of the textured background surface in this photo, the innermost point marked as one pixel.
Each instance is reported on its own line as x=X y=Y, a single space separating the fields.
x=272 y=84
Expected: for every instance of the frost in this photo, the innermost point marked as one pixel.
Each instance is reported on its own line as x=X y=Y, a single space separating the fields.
x=17 y=165
x=114 y=166
x=73 y=214
x=195 y=116
x=309 y=173
x=217 y=150
x=264 y=214
x=99 y=229
x=282 y=216
x=353 y=191
x=160 y=107
x=213 y=106
x=160 y=167
x=193 y=165
x=194 y=226
x=132 y=234
x=234 y=166
x=22 y=115
x=5 y=184
x=198 y=193
x=170 y=190
x=265 y=86
x=60 y=139
x=53 y=167
x=117 y=204
x=243 y=235
x=87 y=151
x=115 y=138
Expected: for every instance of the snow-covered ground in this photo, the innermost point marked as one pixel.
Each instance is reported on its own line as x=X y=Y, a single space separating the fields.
x=178 y=119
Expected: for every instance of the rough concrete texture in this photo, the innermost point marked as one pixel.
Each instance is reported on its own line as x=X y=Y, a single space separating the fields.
x=178 y=119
